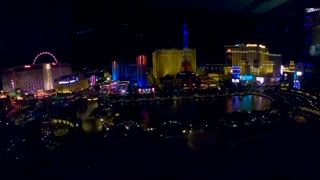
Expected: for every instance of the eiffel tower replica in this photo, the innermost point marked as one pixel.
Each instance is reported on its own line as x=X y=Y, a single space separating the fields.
x=186 y=64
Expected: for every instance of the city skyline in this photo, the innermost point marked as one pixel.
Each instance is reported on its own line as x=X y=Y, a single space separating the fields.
x=123 y=89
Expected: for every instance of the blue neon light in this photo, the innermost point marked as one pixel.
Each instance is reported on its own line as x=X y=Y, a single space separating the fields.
x=185 y=36
x=247 y=77
x=115 y=71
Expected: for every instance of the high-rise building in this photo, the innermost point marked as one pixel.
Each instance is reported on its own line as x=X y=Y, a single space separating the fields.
x=124 y=72
x=168 y=61
x=251 y=58
x=142 y=71
x=174 y=61
x=32 y=78
x=129 y=73
x=35 y=77
x=115 y=70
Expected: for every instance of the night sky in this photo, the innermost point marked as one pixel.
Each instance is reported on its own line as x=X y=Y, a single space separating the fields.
x=97 y=32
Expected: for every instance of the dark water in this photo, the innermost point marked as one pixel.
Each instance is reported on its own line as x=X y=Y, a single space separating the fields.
x=189 y=111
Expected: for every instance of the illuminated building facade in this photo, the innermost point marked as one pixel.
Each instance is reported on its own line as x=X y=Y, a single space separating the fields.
x=213 y=72
x=142 y=71
x=251 y=58
x=128 y=72
x=35 y=77
x=115 y=71
x=71 y=83
x=211 y=75
x=236 y=72
x=168 y=61
x=124 y=72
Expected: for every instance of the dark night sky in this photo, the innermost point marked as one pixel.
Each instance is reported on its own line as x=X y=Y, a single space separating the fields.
x=122 y=29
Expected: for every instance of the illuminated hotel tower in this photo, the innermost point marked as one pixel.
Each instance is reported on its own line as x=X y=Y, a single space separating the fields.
x=115 y=71
x=142 y=71
x=251 y=58
x=174 y=61
x=186 y=64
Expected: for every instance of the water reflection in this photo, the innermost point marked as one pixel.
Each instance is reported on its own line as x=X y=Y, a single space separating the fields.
x=191 y=111
x=246 y=103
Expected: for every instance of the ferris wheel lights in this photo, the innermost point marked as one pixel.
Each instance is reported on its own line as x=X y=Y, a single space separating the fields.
x=47 y=53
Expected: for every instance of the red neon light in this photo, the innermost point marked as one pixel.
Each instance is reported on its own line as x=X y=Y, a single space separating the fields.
x=53 y=64
x=144 y=60
x=27 y=66
x=43 y=53
x=141 y=60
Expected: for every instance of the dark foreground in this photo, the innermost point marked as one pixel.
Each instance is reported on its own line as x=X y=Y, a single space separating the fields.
x=289 y=152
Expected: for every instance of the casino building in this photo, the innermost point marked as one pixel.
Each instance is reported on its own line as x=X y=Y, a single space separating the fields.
x=254 y=61
x=35 y=77
x=71 y=83
x=168 y=61
x=32 y=78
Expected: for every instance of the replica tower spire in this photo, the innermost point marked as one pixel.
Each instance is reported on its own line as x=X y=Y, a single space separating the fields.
x=185 y=65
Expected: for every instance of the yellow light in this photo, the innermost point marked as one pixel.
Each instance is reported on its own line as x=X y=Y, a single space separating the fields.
x=262 y=46
x=252 y=45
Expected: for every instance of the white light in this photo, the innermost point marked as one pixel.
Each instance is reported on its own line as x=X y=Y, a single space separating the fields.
x=309 y=10
x=281 y=69
x=262 y=46
x=67 y=82
x=235 y=80
x=63 y=82
x=260 y=79
x=48 y=66
x=299 y=73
